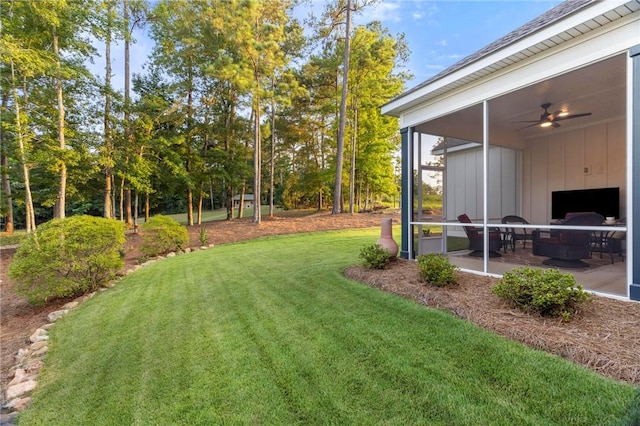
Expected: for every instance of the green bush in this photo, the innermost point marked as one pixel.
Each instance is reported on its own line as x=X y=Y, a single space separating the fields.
x=202 y=235
x=161 y=235
x=375 y=256
x=547 y=291
x=436 y=269
x=68 y=257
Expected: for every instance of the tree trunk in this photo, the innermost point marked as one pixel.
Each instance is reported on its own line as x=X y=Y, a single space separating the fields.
x=337 y=190
x=135 y=211
x=272 y=161
x=241 y=203
x=128 y=199
x=352 y=172
x=200 y=198
x=127 y=100
x=60 y=205
x=6 y=182
x=122 y=200
x=147 y=207
x=257 y=167
x=108 y=144
x=30 y=220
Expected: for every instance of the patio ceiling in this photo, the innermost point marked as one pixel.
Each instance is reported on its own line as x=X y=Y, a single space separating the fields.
x=599 y=88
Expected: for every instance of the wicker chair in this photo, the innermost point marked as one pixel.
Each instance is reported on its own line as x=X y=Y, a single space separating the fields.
x=515 y=234
x=476 y=238
x=566 y=247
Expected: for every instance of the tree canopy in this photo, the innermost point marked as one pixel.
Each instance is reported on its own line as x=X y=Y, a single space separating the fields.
x=236 y=97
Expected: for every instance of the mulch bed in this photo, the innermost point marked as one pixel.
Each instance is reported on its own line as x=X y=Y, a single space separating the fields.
x=603 y=336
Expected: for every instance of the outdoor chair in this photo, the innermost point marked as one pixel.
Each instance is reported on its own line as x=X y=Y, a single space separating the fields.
x=515 y=234
x=566 y=247
x=476 y=238
x=609 y=242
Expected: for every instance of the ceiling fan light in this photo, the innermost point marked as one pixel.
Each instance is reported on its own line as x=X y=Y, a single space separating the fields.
x=546 y=124
x=563 y=113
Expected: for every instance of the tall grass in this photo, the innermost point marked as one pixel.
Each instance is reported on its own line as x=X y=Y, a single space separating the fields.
x=270 y=332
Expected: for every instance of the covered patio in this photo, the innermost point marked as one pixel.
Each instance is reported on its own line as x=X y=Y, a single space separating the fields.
x=521 y=127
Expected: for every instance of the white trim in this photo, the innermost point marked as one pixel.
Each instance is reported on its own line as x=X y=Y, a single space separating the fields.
x=557 y=61
x=510 y=53
x=485 y=183
x=629 y=248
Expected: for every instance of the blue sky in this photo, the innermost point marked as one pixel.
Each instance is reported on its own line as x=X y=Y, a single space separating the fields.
x=439 y=33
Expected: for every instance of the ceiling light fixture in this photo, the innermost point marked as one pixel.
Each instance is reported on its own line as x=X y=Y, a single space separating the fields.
x=546 y=124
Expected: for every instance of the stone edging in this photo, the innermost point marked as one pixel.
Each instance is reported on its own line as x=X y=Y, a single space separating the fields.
x=29 y=360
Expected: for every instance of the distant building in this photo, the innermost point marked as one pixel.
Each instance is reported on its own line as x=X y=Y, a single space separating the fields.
x=248 y=201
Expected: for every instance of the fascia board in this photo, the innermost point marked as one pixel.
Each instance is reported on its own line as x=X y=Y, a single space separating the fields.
x=600 y=44
x=396 y=106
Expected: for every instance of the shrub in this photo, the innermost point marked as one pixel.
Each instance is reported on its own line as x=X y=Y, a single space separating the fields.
x=375 y=256
x=547 y=291
x=68 y=257
x=202 y=235
x=436 y=269
x=161 y=235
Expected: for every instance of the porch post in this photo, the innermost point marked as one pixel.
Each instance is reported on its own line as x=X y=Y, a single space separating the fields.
x=634 y=116
x=405 y=192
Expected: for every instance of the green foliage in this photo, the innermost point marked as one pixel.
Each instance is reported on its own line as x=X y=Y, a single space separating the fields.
x=162 y=234
x=375 y=256
x=547 y=291
x=67 y=257
x=436 y=269
x=202 y=235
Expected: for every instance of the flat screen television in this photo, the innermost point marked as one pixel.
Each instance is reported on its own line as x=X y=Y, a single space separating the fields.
x=605 y=201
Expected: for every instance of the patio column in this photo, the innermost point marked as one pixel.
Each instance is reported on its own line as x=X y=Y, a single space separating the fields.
x=634 y=90
x=405 y=192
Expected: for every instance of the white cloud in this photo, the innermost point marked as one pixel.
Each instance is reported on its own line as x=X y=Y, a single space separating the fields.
x=387 y=11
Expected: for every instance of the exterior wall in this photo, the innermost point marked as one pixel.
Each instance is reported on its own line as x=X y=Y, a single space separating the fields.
x=558 y=162
x=464 y=183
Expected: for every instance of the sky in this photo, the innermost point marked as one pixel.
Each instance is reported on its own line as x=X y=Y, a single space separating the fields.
x=438 y=33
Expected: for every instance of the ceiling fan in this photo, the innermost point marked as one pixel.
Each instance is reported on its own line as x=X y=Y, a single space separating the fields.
x=548 y=119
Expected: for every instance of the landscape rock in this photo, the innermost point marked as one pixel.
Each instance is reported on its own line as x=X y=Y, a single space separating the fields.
x=70 y=305
x=19 y=376
x=20 y=389
x=56 y=315
x=38 y=335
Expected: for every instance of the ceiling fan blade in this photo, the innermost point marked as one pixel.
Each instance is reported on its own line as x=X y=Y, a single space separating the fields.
x=572 y=116
x=526 y=127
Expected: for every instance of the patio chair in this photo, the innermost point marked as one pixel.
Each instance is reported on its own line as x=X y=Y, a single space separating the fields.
x=476 y=238
x=609 y=242
x=567 y=247
x=515 y=234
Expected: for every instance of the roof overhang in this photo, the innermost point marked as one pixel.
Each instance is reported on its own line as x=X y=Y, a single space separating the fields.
x=587 y=21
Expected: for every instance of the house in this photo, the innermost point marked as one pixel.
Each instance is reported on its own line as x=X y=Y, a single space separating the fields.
x=248 y=201
x=553 y=106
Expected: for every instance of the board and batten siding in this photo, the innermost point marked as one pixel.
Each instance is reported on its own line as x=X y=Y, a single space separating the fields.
x=464 y=183
x=589 y=157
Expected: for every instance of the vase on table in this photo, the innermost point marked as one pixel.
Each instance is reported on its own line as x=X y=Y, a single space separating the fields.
x=386 y=238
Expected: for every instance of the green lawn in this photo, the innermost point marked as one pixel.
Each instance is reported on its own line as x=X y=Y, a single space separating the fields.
x=221 y=214
x=270 y=332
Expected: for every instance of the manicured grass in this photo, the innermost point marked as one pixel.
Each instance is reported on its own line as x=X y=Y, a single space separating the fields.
x=221 y=214
x=10 y=239
x=270 y=332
